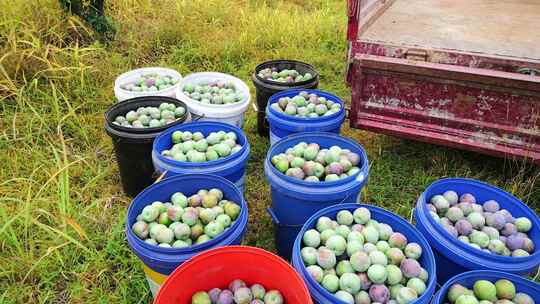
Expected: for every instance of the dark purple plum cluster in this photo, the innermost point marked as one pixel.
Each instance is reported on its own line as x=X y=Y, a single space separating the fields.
x=484 y=226
x=238 y=293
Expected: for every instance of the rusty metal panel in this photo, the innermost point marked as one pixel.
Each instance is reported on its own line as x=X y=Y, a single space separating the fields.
x=449 y=57
x=483 y=110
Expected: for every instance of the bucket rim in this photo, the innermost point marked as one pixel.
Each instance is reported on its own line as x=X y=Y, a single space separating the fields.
x=426 y=248
x=289 y=93
x=199 y=124
x=216 y=252
x=241 y=105
x=265 y=64
x=282 y=143
x=195 y=247
x=473 y=254
x=119 y=79
x=137 y=102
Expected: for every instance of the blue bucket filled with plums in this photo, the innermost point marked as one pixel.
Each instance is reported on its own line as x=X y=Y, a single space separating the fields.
x=472 y=225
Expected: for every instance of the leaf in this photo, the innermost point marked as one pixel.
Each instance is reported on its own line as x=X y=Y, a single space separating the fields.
x=78 y=228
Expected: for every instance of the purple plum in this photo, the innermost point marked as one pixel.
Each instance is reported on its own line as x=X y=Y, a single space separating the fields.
x=354 y=158
x=467 y=198
x=214 y=294
x=528 y=245
x=463 y=227
x=410 y=268
x=365 y=283
x=496 y=220
x=452 y=230
x=334 y=168
x=379 y=293
x=234 y=285
x=509 y=229
x=491 y=206
x=225 y=297
x=507 y=215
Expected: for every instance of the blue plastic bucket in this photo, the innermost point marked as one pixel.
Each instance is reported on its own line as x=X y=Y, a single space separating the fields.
x=468 y=279
x=232 y=167
x=159 y=262
x=282 y=125
x=398 y=224
x=284 y=235
x=452 y=255
x=294 y=200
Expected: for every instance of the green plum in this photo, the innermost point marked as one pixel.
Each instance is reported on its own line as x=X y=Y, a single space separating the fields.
x=485 y=290
x=326 y=258
x=349 y=282
x=417 y=285
x=344 y=217
x=337 y=244
x=361 y=215
x=309 y=255
x=394 y=275
x=312 y=238
x=467 y=299
x=377 y=274
x=201 y=297
x=353 y=247
x=406 y=295
x=344 y=266
x=330 y=282
x=505 y=289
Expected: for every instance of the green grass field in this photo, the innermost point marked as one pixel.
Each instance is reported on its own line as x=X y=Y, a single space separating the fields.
x=62 y=209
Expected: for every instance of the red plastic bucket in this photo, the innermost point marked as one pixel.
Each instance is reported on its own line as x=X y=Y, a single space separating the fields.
x=218 y=267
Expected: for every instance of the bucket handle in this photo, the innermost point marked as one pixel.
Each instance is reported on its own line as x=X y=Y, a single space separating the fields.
x=198 y=118
x=346 y=197
x=161 y=176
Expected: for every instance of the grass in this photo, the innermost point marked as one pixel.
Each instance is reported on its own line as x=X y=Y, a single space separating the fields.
x=61 y=206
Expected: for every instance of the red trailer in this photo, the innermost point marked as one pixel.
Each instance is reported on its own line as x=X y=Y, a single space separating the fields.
x=460 y=73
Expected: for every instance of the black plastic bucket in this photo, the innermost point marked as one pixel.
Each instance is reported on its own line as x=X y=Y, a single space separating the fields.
x=133 y=146
x=266 y=88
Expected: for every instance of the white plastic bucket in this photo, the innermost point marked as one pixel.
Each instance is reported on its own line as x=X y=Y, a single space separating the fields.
x=232 y=114
x=133 y=75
